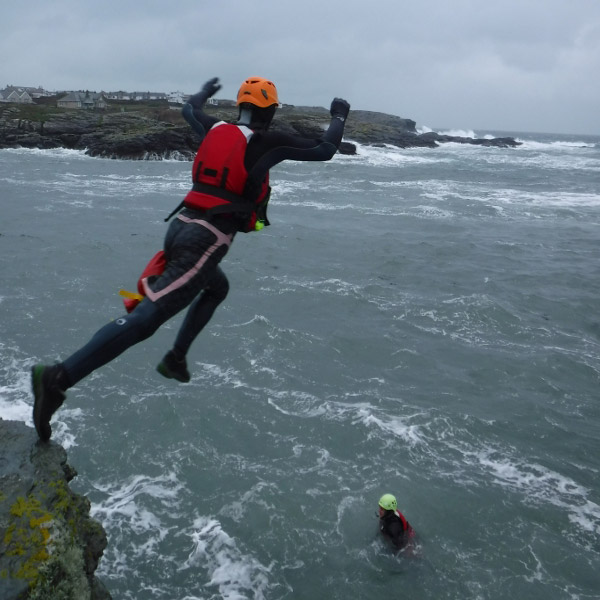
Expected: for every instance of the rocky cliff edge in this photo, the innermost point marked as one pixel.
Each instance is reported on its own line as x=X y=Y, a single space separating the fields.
x=49 y=545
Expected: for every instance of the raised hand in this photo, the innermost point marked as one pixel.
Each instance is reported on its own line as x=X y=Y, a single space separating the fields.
x=339 y=108
x=211 y=87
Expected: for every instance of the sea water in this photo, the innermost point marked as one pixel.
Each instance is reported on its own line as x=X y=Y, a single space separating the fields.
x=423 y=322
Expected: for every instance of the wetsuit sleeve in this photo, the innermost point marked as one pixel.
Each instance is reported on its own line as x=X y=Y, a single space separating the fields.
x=271 y=148
x=334 y=133
x=193 y=113
x=323 y=148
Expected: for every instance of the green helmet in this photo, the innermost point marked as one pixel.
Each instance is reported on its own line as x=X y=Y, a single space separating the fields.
x=388 y=502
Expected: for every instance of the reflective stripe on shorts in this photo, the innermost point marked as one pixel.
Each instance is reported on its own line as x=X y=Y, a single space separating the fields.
x=221 y=240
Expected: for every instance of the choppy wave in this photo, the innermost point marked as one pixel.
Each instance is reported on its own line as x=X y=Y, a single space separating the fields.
x=52 y=153
x=388 y=155
x=73 y=154
x=557 y=145
x=466 y=133
x=421 y=431
x=567 y=156
x=460 y=133
x=230 y=572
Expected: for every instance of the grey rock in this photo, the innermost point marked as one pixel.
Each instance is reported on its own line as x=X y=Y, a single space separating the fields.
x=49 y=545
x=135 y=135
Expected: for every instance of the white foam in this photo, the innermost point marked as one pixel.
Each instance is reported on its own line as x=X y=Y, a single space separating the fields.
x=309 y=406
x=53 y=152
x=218 y=376
x=576 y=160
x=549 y=199
x=61 y=426
x=398 y=426
x=324 y=206
x=557 y=154
x=129 y=514
x=234 y=574
x=554 y=145
x=538 y=484
x=298 y=404
x=459 y=133
x=500 y=198
x=388 y=155
x=121 y=496
x=335 y=286
x=434 y=211
x=13 y=410
x=16 y=400
x=169 y=156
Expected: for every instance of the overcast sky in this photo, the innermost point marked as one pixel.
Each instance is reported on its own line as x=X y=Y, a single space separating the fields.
x=506 y=65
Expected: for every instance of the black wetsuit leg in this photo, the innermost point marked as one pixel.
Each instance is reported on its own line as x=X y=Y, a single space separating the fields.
x=113 y=339
x=193 y=252
x=200 y=312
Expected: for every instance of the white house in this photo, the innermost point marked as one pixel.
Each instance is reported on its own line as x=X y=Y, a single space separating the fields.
x=177 y=98
x=118 y=95
x=139 y=96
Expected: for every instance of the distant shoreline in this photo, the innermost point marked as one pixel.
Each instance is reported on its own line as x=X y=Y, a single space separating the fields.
x=152 y=129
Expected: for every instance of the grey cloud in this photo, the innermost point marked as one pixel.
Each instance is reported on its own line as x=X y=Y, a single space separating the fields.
x=500 y=65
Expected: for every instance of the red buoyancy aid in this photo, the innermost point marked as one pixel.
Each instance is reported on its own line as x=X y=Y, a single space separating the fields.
x=405 y=524
x=220 y=177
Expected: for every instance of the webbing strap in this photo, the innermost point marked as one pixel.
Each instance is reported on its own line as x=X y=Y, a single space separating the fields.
x=239 y=201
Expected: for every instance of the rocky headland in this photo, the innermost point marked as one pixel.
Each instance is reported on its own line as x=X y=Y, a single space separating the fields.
x=155 y=133
x=49 y=545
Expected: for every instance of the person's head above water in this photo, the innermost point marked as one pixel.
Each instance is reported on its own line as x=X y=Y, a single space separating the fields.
x=258 y=101
x=387 y=502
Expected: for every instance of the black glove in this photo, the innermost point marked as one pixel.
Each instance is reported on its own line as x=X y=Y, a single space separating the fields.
x=339 y=109
x=211 y=87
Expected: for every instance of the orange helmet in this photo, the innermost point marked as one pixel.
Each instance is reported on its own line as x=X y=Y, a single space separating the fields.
x=258 y=91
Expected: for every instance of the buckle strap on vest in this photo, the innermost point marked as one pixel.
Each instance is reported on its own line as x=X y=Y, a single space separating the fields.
x=236 y=203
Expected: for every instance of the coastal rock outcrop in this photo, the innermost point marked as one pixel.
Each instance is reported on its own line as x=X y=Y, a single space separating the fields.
x=49 y=545
x=138 y=134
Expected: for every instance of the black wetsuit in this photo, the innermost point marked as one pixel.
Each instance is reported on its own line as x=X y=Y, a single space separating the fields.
x=194 y=245
x=396 y=528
